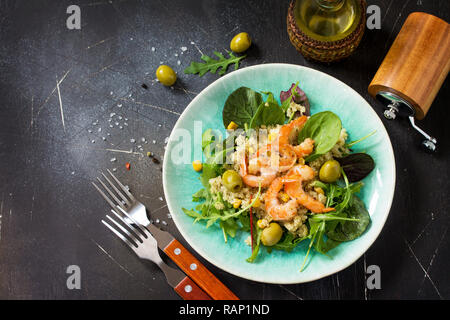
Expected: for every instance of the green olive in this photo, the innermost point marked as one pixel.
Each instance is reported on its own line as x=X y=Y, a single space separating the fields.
x=330 y=171
x=240 y=42
x=166 y=75
x=232 y=180
x=272 y=234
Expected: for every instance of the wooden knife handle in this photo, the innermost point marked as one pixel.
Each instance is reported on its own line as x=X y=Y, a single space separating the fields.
x=198 y=272
x=188 y=290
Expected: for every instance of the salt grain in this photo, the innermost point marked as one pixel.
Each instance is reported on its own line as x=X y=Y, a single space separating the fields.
x=99 y=129
x=157 y=221
x=114 y=169
x=178 y=62
x=132 y=140
x=161 y=199
x=184 y=48
x=113 y=159
x=153 y=49
x=90 y=131
x=93 y=141
x=164 y=223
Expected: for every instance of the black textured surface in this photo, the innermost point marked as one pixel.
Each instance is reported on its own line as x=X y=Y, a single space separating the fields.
x=50 y=214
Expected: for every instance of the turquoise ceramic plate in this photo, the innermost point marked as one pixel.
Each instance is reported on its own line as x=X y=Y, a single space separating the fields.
x=324 y=93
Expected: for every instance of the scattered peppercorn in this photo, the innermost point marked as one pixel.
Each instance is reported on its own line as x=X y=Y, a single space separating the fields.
x=144 y=86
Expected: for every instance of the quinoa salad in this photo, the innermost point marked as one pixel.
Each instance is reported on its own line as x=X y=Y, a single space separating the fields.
x=281 y=174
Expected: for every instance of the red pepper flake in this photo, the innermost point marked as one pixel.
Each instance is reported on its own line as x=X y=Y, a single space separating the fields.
x=127 y=165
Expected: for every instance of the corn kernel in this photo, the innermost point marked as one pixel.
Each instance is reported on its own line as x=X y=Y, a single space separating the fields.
x=257 y=203
x=232 y=126
x=284 y=196
x=237 y=203
x=251 y=150
x=272 y=136
x=319 y=190
x=301 y=161
x=261 y=224
x=197 y=165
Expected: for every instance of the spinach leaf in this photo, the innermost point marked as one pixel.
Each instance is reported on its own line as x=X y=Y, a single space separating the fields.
x=357 y=166
x=268 y=113
x=350 y=230
x=324 y=128
x=240 y=106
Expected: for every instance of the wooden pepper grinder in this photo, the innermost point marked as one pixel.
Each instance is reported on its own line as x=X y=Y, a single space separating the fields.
x=414 y=69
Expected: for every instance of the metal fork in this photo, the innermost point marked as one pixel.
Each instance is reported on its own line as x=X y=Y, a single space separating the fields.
x=140 y=240
x=134 y=208
x=143 y=244
x=121 y=200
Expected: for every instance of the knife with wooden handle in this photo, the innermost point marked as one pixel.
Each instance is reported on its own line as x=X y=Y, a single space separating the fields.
x=191 y=265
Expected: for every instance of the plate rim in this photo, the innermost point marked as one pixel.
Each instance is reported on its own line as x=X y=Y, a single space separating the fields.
x=206 y=256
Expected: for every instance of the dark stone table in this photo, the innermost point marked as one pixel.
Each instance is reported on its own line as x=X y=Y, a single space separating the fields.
x=50 y=213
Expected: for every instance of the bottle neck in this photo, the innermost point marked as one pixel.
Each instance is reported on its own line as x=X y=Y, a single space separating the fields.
x=330 y=5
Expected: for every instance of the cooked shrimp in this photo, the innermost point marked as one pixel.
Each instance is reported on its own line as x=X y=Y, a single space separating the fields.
x=279 y=211
x=305 y=148
x=289 y=131
x=267 y=175
x=280 y=158
x=293 y=187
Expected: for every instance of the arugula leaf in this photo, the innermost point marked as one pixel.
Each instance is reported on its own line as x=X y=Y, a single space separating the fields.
x=288 y=242
x=212 y=65
x=324 y=128
x=240 y=106
x=209 y=171
x=268 y=113
x=257 y=242
x=230 y=227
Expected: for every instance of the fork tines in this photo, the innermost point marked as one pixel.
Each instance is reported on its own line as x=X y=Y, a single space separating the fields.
x=134 y=233
x=118 y=197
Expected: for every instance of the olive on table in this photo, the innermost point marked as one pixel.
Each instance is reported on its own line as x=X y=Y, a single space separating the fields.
x=330 y=171
x=240 y=42
x=232 y=180
x=272 y=234
x=166 y=75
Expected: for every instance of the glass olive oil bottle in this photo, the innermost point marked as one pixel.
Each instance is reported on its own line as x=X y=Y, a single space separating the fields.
x=326 y=30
